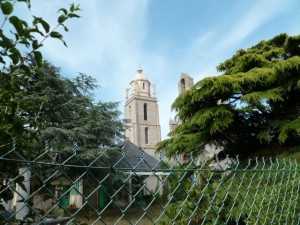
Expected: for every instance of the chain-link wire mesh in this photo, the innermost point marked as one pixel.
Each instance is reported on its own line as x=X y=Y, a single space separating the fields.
x=131 y=187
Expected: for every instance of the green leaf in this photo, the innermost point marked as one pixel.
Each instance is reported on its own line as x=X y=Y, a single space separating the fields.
x=6 y=194
x=25 y=69
x=72 y=7
x=6 y=42
x=17 y=23
x=27 y=2
x=45 y=25
x=19 y=180
x=24 y=23
x=63 y=10
x=38 y=57
x=15 y=55
x=61 y=19
x=72 y=15
x=35 y=30
x=35 y=44
x=57 y=35
x=7 y=8
x=25 y=42
x=17 y=37
x=1 y=60
x=65 y=28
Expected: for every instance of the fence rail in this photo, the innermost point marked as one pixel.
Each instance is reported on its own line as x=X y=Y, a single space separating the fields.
x=114 y=188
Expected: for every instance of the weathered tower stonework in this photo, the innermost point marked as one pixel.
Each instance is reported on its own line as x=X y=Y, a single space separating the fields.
x=186 y=82
x=141 y=112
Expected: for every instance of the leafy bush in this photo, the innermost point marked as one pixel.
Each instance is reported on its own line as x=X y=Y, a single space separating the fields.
x=260 y=193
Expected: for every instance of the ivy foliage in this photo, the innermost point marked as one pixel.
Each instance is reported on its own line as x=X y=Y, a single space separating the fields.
x=253 y=104
x=20 y=45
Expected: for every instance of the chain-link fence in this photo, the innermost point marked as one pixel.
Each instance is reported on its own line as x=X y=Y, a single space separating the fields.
x=129 y=186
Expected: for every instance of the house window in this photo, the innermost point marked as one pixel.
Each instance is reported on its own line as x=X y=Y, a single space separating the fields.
x=146 y=135
x=145 y=111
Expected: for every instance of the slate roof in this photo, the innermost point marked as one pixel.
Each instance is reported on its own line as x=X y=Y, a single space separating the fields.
x=134 y=157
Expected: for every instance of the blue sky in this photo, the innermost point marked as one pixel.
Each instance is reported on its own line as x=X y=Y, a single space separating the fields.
x=164 y=37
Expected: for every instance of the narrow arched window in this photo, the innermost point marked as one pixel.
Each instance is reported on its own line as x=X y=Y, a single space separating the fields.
x=182 y=85
x=146 y=135
x=143 y=85
x=145 y=111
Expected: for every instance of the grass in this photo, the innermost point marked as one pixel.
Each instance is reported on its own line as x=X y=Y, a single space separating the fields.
x=113 y=215
x=293 y=153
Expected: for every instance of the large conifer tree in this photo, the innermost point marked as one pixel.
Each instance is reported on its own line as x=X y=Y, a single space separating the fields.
x=68 y=114
x=253 y=104
x=21 y=40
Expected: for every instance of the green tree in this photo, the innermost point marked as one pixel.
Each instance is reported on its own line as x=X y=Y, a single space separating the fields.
x=20 y=44
x=68 y=114
x=253 y=104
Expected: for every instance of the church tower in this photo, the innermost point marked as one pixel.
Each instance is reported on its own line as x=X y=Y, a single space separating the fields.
x=186 y=82
x=141 y=113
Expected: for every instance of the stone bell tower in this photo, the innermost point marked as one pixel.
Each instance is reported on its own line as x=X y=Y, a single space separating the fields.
x=141 y=113
x=186 y=82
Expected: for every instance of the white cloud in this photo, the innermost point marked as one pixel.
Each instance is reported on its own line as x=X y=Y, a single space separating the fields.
x=105 y=43
x=108 y=42
x=220 y=41
x=107 y=32
x=210 y=47
x=257 y=15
